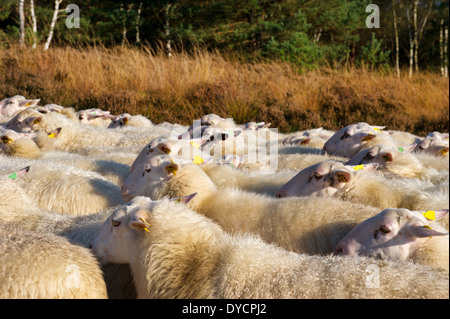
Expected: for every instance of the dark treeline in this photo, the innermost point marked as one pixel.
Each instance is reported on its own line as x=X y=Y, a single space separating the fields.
x=412 y=34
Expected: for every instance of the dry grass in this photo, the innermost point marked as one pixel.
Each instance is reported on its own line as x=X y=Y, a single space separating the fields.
x=185 y=87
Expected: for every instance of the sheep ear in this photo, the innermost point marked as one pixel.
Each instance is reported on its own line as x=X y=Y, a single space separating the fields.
x=267 y=125
x=36 y=120
x=443 y=150
x=425 y=143
x=378 y=128
x=387 y=157
x=343 y=177
x=54 y=133
x=139 y=221
x=433 y=215
x=164 y=148
x=365 y=167
x=7 y=140
x=184 y=199
x=424 y=231
x=305 y=141
x=29 y=103
x=367 y=137
x=171 y=168
x=20 y=173
x=407 y=149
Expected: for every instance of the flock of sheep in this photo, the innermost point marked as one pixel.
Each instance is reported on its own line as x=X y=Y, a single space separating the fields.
x=101 y=206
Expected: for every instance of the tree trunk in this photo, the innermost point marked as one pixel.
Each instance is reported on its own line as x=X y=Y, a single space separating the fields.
x=411 y=43
x=167 y=27
x=441 y=45
x=22 y=23
x=124 y=25
x=138 y=21
x=34 y=22
x=397 y=45
x=445 y=51
x=416 y=37
x=52 y=25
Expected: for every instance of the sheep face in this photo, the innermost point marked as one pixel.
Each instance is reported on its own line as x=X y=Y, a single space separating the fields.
x=120 y=121
x=114 y=241
x=147 y=177
x=9 y=138
x=11 y=105
x=26 y=121
x=322 y=179
x=434 y=145
x=348 y=141
x=211 y=119
x=380 y=154
x=117 y=238
x=392 y=234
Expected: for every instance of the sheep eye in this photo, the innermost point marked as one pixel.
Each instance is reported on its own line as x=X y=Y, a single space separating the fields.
x=151 y=150
x=385 y=229
x=345 y=135
x=368 y=156
x=317 y=176
x=115 y=223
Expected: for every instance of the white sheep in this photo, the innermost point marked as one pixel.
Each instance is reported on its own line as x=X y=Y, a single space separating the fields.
x=95 y=117
x=331 y=178
x=66 y=189
x=14 y=104
x=351 y=139
x=313 y=138
x=400 y=234
x=435 y=143
x=19 y=209
x=44 y=266
x=126 y=119
x=176 y=253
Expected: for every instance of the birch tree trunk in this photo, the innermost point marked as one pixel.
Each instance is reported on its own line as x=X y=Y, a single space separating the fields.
x=397 y=46
x=138 y=21
x=22 y=23
x=441 y=45
x=168 y=41
x=34 y=22
x=416 y=36
x=52 y=25
x=446 y=51
x=411 y=42
x=124 y=25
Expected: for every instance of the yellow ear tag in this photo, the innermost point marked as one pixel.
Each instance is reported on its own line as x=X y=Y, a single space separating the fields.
x=443 y=151
x=342 y=179
x=196 y=145
x=51 y=135
x=430 y=215
x=376 y=128
x=358 y=167
x=426 y=226
x=28 y=104
x=197 y=160
x=6 y=139
x=145 y=228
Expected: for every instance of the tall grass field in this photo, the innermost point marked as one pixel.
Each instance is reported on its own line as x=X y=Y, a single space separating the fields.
x=186 y=86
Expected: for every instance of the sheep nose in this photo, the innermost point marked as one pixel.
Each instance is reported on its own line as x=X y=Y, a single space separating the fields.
x=280 y=194
x=339 y=251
